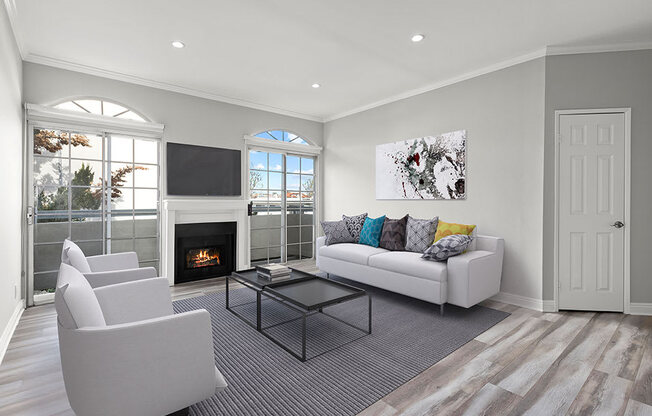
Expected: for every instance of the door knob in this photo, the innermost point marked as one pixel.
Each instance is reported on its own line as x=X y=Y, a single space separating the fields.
x=618 y=224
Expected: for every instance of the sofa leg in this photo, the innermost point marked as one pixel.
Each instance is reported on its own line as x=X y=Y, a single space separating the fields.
x=328 y=275
x=441 y=309
x=182 y=412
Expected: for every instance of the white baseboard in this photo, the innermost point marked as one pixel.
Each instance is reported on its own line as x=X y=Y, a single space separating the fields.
x=640 y=308
x=10 y=328
x=549 y=306
x=522 y=301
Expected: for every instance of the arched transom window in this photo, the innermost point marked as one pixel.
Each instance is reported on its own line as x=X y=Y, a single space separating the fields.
x=282 y=136
x=100 y=107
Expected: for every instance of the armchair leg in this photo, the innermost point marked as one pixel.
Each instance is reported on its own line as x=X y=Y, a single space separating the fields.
x=441 y=309
x=182 y=412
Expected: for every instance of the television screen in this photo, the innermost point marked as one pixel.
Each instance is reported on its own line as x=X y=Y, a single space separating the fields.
x=200 y=170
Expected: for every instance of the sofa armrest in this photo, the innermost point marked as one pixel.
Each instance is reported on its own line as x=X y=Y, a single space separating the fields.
x=488 y=243
x=475 y=275
x=148 y=368
x=135 y=301
x=99 y=279
x=320 y=242
x=118 y=261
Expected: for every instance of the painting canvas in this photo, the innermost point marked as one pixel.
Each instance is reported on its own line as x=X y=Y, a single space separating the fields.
x=431 y=167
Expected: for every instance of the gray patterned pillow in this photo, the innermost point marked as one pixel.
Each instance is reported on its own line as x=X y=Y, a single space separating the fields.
x=336 y=232
x=420 y=234
x=449 y=246
x=354 y=224
x=393 y=235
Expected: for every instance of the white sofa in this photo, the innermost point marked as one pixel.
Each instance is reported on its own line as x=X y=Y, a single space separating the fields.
x=463 y=280
x=125 y=352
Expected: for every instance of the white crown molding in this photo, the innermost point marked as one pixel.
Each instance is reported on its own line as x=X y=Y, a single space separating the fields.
x=427 y=88
x=90 y=70
x=614 y=47
x=8 y=331
x=12 y=13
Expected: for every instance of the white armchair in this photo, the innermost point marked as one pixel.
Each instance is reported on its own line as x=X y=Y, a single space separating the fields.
x=106 y=269
x=125 y=352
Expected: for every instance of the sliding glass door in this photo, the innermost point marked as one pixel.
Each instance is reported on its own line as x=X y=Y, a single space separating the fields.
x=99 y=190
x=281 y=189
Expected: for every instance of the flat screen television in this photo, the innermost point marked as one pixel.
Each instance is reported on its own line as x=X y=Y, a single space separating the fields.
x=200 y=170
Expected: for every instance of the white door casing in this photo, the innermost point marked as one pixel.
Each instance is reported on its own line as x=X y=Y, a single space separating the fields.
x=592 y=192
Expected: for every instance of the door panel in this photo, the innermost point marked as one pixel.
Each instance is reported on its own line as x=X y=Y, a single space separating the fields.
x=591 y=199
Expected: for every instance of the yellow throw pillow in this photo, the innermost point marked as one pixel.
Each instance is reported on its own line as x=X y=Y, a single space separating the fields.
x=449 y=228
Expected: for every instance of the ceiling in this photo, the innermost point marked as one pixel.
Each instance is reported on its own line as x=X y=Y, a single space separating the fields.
x=267 y=53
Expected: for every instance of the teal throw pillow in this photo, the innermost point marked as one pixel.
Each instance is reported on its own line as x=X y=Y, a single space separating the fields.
x=371 y=230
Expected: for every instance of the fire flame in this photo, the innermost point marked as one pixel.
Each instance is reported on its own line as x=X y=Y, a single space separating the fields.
x=203 y=258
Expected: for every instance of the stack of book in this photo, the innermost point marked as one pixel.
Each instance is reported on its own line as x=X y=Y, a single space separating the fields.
x=273 y=271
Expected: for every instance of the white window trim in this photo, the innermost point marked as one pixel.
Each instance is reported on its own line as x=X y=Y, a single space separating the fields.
x=287 y=147
x=71 y=119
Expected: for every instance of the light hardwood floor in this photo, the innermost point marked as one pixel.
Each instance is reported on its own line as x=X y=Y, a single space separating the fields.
x=572 y=363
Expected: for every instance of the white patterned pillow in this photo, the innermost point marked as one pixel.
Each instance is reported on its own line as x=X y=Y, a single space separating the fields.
x=420 y=234
x=336 y=232
x=354 y=224
x=449 y=246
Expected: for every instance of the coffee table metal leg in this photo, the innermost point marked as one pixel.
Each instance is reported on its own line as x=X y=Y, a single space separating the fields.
x=303 y=338
x=258 y=324
x=369 y=297
x=227 y=292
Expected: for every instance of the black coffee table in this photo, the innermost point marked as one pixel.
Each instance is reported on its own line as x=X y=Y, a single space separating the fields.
x=305 y=293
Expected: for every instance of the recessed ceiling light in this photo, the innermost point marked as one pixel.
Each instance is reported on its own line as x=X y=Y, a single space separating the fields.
x=315 y=85
x=418 y=37
x=178 y=44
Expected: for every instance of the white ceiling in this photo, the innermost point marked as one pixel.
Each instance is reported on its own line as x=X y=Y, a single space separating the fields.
x=267 y=53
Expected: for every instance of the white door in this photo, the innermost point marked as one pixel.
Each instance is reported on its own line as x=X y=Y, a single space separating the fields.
x=591 y=211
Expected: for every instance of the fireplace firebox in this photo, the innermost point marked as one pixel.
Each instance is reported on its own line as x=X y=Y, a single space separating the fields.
x=204 y=250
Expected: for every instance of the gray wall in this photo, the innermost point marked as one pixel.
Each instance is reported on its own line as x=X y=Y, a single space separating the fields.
x=11 y=133
x=187 y=119
x=602 y=80
x=503 y=113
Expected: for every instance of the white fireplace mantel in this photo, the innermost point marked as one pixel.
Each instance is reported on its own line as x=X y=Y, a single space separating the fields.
x=189 y=211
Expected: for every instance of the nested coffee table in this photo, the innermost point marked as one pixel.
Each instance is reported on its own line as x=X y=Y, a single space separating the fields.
x=305 y=293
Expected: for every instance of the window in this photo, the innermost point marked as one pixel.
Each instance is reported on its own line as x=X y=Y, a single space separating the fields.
x=100 y=107
x=282 y=136
x=282 y=192
x=95 y=186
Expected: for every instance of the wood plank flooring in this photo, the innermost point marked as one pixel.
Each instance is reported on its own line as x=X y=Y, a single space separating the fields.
x=531 y=363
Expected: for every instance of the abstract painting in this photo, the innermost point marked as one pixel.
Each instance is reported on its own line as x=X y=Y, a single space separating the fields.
x=431 y=167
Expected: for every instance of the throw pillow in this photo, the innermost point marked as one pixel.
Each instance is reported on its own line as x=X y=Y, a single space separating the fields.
x=354 y=224
x=336 y=232
x=393 y=235
x=448 y=246
x=420 y=234
x=449 y=228
x=370 y=234
x=74 y=256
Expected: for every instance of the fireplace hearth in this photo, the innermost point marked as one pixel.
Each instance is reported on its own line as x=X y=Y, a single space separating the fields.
x=204 y=250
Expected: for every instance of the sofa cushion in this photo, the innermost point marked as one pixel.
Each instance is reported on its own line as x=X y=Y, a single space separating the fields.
x=77 y=304
x=411 y=264
x=371 y=230
x=393 y=235
x=354 y=224
x=336 y=232
x=353 y=253
x=74 y=256
x=449 y=246
x=449 y=228
x=420 y=234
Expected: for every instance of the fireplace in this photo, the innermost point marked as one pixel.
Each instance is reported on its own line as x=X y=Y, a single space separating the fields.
x=204 y=250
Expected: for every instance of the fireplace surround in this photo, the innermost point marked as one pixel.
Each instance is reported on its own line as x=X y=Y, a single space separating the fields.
x=204 y=250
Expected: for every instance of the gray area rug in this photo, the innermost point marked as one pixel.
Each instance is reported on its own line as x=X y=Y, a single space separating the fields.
x=349 y=370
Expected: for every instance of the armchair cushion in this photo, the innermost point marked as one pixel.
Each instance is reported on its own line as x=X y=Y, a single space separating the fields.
x=116 y=261
x=135 y=301
x=99 y=279
x=75 y=301
x=74 y=256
